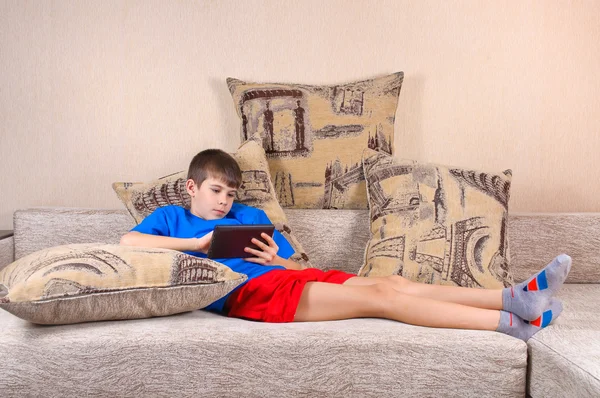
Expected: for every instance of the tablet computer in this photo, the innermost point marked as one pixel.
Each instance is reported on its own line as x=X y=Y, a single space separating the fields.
x=229 y=241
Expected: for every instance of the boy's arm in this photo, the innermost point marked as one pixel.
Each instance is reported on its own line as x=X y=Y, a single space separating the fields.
x=166 y=242
x=289 y=264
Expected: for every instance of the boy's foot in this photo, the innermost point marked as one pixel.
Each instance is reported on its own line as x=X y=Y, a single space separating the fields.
x=529 y=299
x=514 y=326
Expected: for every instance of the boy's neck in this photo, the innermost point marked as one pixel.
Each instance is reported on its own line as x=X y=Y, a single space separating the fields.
x=196 y=214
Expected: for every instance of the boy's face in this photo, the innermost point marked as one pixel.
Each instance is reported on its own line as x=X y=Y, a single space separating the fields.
x=212 y=200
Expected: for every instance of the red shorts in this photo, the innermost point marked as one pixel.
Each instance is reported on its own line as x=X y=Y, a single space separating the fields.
x=274 y=296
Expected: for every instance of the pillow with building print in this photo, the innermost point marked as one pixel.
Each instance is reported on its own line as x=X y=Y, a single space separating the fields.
x=314 y=135
x=437 y=224
x=98 y=282
x=142 y=198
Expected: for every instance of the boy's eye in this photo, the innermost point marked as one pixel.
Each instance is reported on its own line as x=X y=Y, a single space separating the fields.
x=215 y=190
x=232 y=195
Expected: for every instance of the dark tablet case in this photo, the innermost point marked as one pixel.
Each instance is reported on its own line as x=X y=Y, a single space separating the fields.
x=229 y=241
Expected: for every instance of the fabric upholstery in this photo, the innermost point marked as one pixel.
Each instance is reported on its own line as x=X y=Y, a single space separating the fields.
x=314 y=135
x=256 y=190
x=536 y=238
x=41 y=228
x=200 y=353
x=7 y=251
x=436 y=224
x=333 y=239
x=325 y=232
x=564 y=358
x=92 y=282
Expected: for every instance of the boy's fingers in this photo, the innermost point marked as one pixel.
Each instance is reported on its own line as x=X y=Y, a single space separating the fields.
x=267 y=237
x=250 y=250
x=270 y=241
x=257 y=253
x=258 y=243
x=262 y=257
x=255 y=260
x=267 y=248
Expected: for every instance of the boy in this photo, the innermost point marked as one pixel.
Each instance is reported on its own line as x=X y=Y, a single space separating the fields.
x=280 y=290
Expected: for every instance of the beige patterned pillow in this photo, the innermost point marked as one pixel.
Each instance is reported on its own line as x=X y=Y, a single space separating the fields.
x=314 y=135
x=437 y=224
x=256 y=190
x=96 y=282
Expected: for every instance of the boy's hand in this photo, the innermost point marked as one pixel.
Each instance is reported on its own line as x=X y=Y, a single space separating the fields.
x=268 y=254
x=202 y=244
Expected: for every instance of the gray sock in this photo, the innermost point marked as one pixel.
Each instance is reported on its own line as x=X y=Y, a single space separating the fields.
x=514 y=326
x=529 y=299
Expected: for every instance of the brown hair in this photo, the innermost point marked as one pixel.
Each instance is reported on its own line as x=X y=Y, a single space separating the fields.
x=217 y=164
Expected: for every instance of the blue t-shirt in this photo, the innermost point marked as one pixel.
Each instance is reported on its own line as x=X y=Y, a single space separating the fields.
x=177 y=222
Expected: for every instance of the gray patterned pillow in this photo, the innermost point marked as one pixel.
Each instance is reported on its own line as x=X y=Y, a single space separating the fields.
x=96 y=282
x=437 y=224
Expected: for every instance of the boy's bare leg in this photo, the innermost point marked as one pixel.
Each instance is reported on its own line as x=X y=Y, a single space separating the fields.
x=480 y=298
x=327 y=301
x=528 y=299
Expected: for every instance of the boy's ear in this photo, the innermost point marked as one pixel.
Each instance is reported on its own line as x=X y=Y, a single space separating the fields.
x=191 y=187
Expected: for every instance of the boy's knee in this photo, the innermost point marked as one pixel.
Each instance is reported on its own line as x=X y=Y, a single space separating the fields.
x=382 y=296
x=398 y=281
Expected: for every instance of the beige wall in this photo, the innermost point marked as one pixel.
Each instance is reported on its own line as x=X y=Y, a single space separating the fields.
x=93 y=92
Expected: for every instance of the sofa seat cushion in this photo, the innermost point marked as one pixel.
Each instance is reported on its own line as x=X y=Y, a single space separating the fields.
x=565 y=358
x=202 y=352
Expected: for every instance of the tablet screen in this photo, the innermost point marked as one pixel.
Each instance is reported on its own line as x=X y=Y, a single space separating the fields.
x=229 y=241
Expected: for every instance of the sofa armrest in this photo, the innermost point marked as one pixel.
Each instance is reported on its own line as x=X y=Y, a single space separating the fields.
x=7 y=248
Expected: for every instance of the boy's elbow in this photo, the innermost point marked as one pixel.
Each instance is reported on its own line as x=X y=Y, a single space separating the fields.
x=128 y=239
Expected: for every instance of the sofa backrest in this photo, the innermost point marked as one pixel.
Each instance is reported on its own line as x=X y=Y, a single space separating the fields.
x=336 y=238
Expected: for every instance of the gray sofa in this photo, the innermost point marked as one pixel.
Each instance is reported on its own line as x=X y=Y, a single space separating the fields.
x=203 y=354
